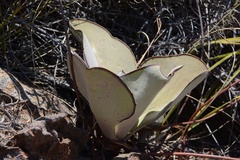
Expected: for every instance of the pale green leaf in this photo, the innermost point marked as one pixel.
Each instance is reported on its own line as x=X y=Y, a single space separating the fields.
x=144 y=84
x=80 y=68
x=109 y=98
x=89 y=56
x=109 y=51
x=193 y=71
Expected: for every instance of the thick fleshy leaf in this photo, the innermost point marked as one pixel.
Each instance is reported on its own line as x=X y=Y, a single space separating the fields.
x=109 y=98
x=80 y=68
x=144 y=83
x=193 y=72
x=88 y=54
x=110 y=52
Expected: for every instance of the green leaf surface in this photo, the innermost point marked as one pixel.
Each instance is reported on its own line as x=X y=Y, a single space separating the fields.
x=110 y=100
x=193 y=71
x=109 y=51
x=144 y=84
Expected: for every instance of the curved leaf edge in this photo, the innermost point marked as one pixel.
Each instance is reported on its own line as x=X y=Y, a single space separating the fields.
x=169 y=56
x=159 y=113
x=105 y=30
x=109 y=72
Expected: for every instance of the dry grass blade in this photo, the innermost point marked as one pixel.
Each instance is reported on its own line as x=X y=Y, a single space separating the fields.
x=32 y=48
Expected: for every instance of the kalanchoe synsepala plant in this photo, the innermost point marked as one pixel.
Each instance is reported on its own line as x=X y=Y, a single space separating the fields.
x=125 y=97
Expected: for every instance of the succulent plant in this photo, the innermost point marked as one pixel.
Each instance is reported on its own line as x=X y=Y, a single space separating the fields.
x=123 y=96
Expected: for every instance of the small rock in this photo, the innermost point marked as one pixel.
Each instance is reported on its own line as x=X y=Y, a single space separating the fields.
x=49 y=137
